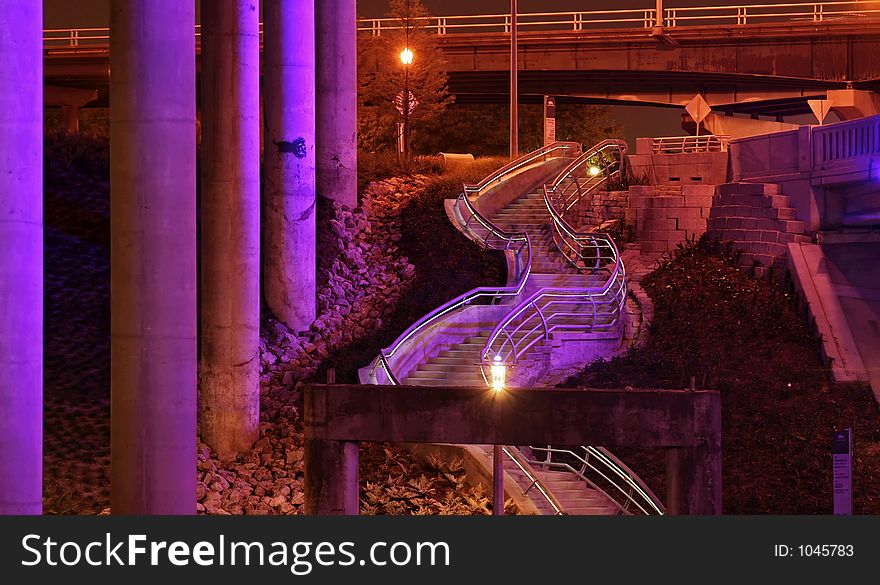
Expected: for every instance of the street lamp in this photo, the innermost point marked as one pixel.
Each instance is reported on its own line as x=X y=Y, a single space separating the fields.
x=406 y=57
x=499 y=375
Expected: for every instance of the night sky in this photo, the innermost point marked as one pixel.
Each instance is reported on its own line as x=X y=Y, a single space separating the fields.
x=637 y=120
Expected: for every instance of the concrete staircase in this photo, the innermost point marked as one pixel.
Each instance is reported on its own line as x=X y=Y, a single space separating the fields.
x=759 y=221
x=572 y=493
x=459 y=365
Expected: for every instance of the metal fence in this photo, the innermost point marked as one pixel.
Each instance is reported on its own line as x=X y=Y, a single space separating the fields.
x=728 y=15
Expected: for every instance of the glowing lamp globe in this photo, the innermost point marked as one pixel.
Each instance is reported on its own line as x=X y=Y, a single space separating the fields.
x=406 y=56
x=498 y=374
x=594 y=170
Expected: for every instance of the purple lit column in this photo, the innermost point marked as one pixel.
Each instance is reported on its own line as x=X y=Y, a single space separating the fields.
x=153 y=256
x=229 y=408
x=289 y=233
x=21 y=273
x=337 y=100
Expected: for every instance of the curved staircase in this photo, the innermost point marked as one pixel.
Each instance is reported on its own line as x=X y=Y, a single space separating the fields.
x=565 y=287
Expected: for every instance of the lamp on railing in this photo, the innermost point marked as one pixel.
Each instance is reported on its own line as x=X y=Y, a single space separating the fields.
x=499 y=374
x=594 y=170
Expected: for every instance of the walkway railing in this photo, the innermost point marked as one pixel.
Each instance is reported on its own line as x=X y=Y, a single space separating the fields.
x=535 y=482
x=602 y=471
x=574 y=187
x=691 y=144
x=559 y=310
x=488 y=235
x=846 y=140
x=728 y=15
x=574 y=310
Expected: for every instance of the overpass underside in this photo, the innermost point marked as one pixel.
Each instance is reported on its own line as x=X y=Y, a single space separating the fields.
x=757 y=69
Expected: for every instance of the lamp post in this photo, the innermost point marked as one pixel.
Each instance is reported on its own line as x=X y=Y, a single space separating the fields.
x=514 y=90
x=406 y=57
x=499 y=372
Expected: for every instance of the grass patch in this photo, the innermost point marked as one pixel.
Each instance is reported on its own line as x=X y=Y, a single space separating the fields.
x=746 y=338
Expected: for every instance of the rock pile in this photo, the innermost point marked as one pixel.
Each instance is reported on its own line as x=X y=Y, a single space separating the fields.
x=357 y=289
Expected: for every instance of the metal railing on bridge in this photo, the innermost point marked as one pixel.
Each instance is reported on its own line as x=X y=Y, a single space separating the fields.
x=728 y=15
x=691 y=144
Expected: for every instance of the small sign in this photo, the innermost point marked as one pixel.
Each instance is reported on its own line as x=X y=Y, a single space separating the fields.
x=549 y=119
x=820 y=109
x=841 y=465
x=398 y=102
x=698 y=108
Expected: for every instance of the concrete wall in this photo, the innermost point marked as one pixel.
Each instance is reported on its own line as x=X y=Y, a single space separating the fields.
x=783 y=158
x=666 y=216
x=701 y=168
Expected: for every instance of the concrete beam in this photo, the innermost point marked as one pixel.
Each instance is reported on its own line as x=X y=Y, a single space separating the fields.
x=21 y=273
x=688 y=422
x=645 y=418
x=850 y=104
x=737 y=127
x=289 y=233
x=153 y=257
x=54 y=95
x=337 y=100
x=229 y=408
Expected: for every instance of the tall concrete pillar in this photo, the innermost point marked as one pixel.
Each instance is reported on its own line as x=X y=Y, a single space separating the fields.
x=153 y=257
x=21 y=264
x=230 y=225
x=289 y=233
x=337 y=100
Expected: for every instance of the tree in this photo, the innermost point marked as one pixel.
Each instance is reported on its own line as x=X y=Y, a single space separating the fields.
x=381 y=79
x=482 y=129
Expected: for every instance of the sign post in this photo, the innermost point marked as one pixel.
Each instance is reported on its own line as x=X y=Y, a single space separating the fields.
x=698 y=108
x=841 y=456
x=549 y=119
x=820 y=109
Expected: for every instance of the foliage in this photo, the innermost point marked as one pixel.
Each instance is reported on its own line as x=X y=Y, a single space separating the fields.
x=376 y=166
x=745 y=337
x=446 y=262
x=381 y=77
x=397 y=483
x=483 y=129
x=80 y=152
x=623 y=181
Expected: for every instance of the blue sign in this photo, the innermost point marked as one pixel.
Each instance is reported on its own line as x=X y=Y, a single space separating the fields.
x=841 y=457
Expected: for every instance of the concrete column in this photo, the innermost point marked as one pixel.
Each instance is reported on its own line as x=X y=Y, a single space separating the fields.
x=337 y=100
x=331 y=475
x=21 y=266
x=230 y=226
x=289 y=233
x=70 y=118
x=153 y=257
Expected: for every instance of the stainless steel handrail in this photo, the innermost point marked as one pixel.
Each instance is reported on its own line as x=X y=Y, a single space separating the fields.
x=523 y=465
x=628 y=488
x=494 y=238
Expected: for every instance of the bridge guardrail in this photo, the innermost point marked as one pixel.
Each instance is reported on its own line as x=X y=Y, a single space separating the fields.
x=734 y=14
x=691 y=144
x=845 y=140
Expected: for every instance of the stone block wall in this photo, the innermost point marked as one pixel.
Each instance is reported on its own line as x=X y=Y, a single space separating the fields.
x=603 y=206
x=759 y=221
x=666 y=215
